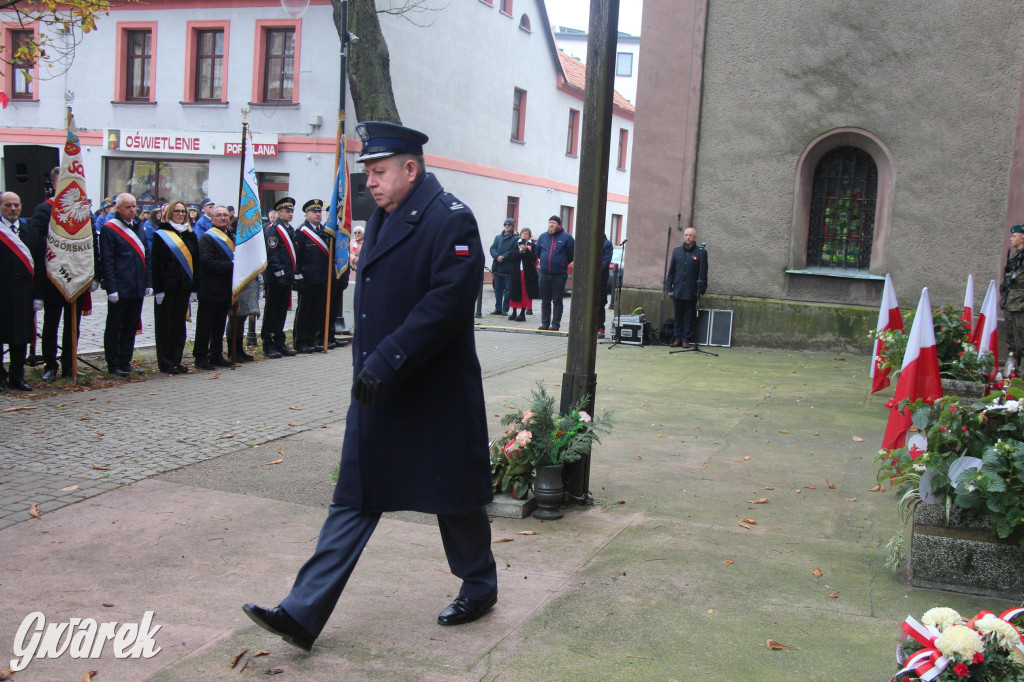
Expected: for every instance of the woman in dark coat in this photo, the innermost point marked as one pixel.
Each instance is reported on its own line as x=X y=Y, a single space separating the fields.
x=524 y=287
x=174 y=261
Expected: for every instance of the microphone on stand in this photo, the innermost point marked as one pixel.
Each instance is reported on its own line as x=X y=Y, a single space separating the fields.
x=623 y=242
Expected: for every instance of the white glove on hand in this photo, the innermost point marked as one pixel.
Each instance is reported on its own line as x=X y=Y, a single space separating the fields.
x=94 y=286
x=159 y=298
x=112 y=298
x=37 y=305
x=192 y=297
x=147 y=292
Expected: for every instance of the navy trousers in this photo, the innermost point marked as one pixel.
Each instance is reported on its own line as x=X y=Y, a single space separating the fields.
x=318 y=586
x=686 y=318
x=502 y=292
x=551 y=289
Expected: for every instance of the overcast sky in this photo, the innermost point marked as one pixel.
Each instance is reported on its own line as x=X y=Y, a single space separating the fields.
x=576 y=14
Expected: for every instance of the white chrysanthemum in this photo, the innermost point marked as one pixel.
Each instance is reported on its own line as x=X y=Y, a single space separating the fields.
x=959 y=640
x=940 y=618
x=1007 y=634
x=919 y=467
x=1012 y=405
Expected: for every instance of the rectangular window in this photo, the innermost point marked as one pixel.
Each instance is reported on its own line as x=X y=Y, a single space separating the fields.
x=624 y=64
x=506 y=7
x=518 y=115
x=279 y=65
x=512 y=209
x=616 y=236
x=572 y=141
x=153 y=180
x=566 y=214
x=23 y=86
x=137 y=64
x=623 y=148
x=209 y=65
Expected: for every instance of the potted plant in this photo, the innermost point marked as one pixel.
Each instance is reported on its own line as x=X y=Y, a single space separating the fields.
x=971 y=468
x=963 y=372
x=537 y=443
x=943 y=646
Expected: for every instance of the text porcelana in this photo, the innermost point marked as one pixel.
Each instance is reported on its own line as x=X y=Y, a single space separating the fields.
x=82 y=638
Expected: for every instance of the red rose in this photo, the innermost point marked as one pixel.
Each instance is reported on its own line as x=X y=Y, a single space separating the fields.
x=952 y=409
x=961 y=670
x=964 y=428
x=942 y=428
x=979 y=658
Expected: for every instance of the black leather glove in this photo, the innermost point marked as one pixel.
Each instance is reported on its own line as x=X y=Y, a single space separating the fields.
x=366 y=388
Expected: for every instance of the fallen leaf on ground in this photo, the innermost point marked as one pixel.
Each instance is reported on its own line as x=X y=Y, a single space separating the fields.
x=325 y=426
x=834 y=595
x=220 y=518
x=527 y=532
x=215 y=376
x=809 y=487
x=69 y=488
x=798 y=491
x=877 y=489
x=621 y=502
x=697 y=428
x=703 y=465
x=84 y=419
x=97 y=466
x=830 y=484
x=21 y=408
x=6 y=673
x=661 y=435
x=850 y=499
x=727 y=562
x=750 y=521
x=226 y=435
x=280 y=450
x=89 y=675
x=746 y=458
x=839 y=359
x=152 y=393
x=639 y=456
x=743 y=525
x=99 y=433
x=774 y=645
x=783 y=431
x=763 y=500
x=276 y=461
x=818 y=573
x=331 y=411
x=292 y=424
x=238 y=657
x=261 y=652
x=293 y=407
x=768 y=487
x=858 y=439
x=816 y=433
x=34 y=511
x=716 y=442
x=503 y=540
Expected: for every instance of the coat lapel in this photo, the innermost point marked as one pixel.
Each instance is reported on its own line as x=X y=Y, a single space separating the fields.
x=386 y=232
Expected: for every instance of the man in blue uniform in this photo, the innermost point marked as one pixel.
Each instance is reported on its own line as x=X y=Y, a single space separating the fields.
x=278 y=278
x=312 y=262
x=123 y=257
x=417 y=373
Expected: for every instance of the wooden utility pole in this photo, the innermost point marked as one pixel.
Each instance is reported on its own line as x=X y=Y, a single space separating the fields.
x=579 y=378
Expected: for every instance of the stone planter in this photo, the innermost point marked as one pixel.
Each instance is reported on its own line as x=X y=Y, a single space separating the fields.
x=964 y=555
x=963 y=389
x=508 y=507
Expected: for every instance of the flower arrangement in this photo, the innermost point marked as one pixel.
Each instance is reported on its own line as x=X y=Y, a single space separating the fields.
x=958 y=359
x=539 y=436
x=974 y=457
x=943 y=646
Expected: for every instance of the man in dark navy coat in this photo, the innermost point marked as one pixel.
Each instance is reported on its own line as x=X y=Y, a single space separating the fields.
x=18 y=297
x=123 y=258
x=416 y=432
x=278 y=278
x=687 y=282
x=313 y=263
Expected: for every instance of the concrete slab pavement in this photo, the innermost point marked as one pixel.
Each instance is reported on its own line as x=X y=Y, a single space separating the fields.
x=634 y=587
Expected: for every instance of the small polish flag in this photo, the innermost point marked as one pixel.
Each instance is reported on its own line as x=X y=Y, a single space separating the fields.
x=968 y=315
x=461 y=250
x=919 y=377
x=888 y=318
x=986 y=334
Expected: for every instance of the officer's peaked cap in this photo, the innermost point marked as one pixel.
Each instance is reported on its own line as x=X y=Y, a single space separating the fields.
x=284 y=202
x=313 y=205
x=381 y=139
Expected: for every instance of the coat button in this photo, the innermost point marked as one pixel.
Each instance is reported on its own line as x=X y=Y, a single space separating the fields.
x=364 y=353
x=397 y=358
x=366 y=279
x=362 y=316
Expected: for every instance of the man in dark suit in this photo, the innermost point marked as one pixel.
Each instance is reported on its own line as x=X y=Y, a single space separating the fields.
x=417 y=376
x=687 y=282
x=278 y=278
x=123 y=257
x=18 y=300
x=216 y=262
x=312 y=262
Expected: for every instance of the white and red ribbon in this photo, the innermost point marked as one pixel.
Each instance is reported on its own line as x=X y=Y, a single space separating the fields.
x=19 y=248
x=316 y=240
x=287 y=240
x=127 y=234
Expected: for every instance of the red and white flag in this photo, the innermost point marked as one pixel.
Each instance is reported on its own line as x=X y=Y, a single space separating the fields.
x=986 y=334
x=69 y=255
x=968 y=315
x=888 y=318
x=919 y=377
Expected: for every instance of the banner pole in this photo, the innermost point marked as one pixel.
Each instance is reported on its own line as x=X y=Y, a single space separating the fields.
x=74 y=340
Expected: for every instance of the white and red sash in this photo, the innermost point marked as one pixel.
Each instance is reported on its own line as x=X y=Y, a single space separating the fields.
x=287 y=241
x=129 y=236
x=15 y=244
x=315 y=238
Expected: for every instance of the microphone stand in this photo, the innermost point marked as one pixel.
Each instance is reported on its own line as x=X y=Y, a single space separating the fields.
x=694 y=346
x=617 y=294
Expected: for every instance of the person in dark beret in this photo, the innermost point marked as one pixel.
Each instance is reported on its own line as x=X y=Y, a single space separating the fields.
x=416 y=373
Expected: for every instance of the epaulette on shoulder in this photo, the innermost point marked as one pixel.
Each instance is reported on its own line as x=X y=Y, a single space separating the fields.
x=452 y=202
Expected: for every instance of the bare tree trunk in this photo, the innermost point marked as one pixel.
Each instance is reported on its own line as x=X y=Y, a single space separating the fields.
x=369 y=63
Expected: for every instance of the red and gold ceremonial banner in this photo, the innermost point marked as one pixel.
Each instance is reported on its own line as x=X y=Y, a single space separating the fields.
x=69 y=245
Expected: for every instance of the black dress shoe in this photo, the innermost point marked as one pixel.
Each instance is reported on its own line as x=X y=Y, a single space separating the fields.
x=118 y=372
x=131 y=370
x=219 y=362
x=3 y=386
x=304 y=349
x=272 y=353
x=18 y=384
x=50 y=375
x=170 y=370
x=204 y=364
x=317 y=349
x=287 y=352
x=277 y=621
x=242 y=356
x=182 y=369
x=465 y=610
x=543 y=328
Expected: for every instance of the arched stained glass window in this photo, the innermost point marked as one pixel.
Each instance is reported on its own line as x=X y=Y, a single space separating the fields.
x=842 y=210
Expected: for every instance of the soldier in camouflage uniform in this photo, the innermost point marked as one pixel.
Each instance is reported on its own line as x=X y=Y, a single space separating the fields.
x=1013 y=292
